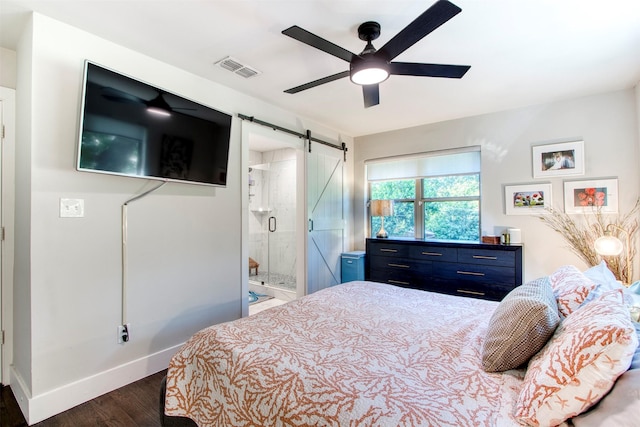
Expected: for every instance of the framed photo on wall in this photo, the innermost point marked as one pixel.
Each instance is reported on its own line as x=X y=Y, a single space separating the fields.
x=532 y=199
x=566 y=158
x=593 y=196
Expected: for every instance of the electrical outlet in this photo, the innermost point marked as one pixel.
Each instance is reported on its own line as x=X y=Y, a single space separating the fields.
x=124 y=332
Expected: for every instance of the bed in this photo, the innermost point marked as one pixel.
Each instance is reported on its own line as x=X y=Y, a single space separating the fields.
x=371 y=354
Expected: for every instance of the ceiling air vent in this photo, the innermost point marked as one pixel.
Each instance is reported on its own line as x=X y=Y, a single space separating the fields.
x=235 y=66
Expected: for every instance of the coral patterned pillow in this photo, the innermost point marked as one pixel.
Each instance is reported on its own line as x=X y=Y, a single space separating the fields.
x=570 y=287
x=590 y=349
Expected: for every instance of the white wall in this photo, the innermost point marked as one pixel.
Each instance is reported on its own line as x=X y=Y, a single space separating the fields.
x=22 y=258
x=7 y=151
x=185 y=241
x=607 y=123
x=7 y=68
x=637 y=89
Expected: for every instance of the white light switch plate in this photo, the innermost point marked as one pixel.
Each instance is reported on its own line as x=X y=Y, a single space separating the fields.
x=71 y=208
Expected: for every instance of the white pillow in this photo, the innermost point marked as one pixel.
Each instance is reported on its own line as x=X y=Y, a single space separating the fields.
x=601 y=275
x=606 y=281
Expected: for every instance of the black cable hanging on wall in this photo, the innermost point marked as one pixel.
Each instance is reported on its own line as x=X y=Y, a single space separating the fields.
x=307 y=135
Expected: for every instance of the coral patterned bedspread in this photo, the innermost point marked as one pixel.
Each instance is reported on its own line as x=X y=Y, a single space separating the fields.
x=356 y=354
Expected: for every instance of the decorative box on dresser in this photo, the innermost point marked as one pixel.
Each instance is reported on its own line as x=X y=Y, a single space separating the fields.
x=477 y=270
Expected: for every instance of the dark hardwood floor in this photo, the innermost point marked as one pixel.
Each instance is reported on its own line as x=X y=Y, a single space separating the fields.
x=135 y=405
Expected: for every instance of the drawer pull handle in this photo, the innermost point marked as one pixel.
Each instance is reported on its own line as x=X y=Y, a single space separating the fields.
x=484 y=257
x=398 y=282
x=388 y=250
x=470 y=273
x=431 y=253
x=399 y=265
x=463 y=291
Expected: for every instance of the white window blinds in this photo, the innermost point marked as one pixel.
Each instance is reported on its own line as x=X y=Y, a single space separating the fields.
x=448 y=162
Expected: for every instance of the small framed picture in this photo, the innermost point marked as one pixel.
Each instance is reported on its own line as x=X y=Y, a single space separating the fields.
x=561 y=159
x=593 y=196
x=531 y=199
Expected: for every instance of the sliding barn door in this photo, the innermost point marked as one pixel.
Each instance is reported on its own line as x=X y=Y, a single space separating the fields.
x=325 y=207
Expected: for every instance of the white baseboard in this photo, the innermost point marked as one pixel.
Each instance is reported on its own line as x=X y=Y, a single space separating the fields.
x=45 y=405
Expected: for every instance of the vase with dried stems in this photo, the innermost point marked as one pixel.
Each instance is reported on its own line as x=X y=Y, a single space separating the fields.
x=581 y=232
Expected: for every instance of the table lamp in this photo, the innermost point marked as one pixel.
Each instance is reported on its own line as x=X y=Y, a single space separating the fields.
x=381 y=208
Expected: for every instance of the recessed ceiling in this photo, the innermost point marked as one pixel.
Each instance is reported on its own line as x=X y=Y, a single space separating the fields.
x=521 y=52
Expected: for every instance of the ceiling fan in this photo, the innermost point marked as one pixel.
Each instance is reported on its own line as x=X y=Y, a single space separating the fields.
x=371 y=66
x=157 y=105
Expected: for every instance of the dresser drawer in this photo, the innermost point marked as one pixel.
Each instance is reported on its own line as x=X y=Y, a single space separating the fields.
x=434 y=253
x=387 y=250
x=403 y=278
x=399 y=271
x=476 y=273
x=400 y=264
x=487 y=257
x=495 y=293
x=473 y=289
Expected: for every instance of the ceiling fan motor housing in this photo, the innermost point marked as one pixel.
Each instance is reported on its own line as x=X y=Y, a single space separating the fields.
x=369 y=31
x=368 y=68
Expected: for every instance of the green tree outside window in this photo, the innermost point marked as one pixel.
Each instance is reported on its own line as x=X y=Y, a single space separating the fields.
x=448 y=207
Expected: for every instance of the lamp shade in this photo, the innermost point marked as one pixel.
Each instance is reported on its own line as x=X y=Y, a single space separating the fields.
x=369 y=71
x=608 y=246
x=381 y=207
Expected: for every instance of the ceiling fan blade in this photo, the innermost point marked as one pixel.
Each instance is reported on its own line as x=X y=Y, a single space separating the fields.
x=371 y=95
x=171 y=99
x=311 y=39
x=428 y=70
x=318 y=82
x=116 y=95
x=439 y=13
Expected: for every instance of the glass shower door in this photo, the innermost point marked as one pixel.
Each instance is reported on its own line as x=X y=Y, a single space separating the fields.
x=281 y=224
x=272 y=226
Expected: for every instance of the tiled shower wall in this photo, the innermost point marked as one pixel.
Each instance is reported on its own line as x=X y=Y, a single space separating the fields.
x=274 y=178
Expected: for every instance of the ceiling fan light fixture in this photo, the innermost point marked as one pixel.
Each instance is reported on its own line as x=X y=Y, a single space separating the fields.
x=369 y=72
x=159 y=106
x=369 y=76
x=158 y=111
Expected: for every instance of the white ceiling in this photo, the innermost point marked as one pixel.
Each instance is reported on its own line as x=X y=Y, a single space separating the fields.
x=521 y=52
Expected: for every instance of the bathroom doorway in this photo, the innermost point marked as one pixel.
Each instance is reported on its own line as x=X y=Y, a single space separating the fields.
x=272 y=210
x=275 y=213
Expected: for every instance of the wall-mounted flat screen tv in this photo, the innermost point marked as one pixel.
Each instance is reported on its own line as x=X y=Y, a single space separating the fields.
x=131 y=128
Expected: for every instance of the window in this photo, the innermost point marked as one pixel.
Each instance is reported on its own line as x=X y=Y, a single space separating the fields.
x=436 y=195
x=403 y=193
